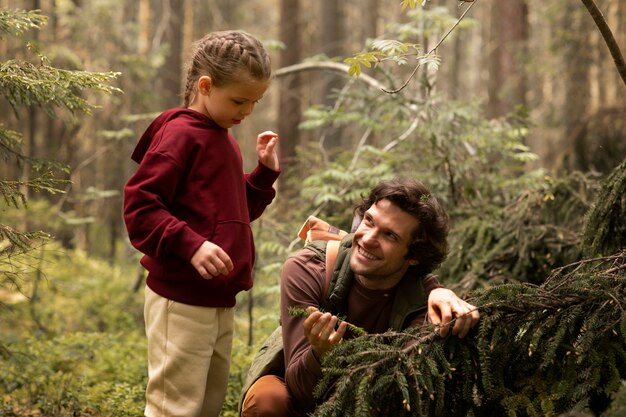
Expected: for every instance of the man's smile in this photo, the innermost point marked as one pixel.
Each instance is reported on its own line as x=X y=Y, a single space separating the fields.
x=367 y=255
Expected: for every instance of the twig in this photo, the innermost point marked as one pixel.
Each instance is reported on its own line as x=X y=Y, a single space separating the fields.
x=431 y=51
x=303 y=313
x=325 y=65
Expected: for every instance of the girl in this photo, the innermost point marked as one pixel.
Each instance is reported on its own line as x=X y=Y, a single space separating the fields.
x=188 y=209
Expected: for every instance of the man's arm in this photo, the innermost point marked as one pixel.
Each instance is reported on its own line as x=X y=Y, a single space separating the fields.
x=302 y=285
x=443 y=306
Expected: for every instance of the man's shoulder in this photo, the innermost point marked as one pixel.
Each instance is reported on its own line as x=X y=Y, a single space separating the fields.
x=312 y=252
x=304 y=262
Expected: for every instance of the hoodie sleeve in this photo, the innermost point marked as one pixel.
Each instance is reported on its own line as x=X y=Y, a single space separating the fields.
x=148 y=194
x=259 y=189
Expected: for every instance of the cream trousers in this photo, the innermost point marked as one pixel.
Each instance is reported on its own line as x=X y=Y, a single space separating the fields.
x=188 y=357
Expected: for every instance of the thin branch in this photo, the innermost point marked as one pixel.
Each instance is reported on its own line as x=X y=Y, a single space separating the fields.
x=325 y=65
x=404 y=135
x=359 y=147
x=336 y=107
x=432 y=50
x=609 y=39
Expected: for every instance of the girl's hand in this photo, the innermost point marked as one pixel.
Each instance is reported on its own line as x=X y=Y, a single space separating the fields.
x=266 y=149
x=210 y=261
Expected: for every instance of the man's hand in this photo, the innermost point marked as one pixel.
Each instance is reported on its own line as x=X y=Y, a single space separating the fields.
x=210 y=261
x=444 y=305
x=319 y=329
x=266 y=149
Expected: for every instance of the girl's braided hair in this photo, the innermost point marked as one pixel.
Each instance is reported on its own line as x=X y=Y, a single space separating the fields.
x=222 y=56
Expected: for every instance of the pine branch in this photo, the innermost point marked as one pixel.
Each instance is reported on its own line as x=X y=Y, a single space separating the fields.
x=605 y=231
x=301 y=312
x=538 y=350
x=23 y=83
x=12 y=193
x=15 y=22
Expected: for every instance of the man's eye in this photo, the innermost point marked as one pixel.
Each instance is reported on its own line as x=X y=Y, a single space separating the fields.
x=391 y=235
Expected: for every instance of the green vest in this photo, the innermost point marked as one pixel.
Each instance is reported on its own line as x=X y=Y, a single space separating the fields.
x=410 y=298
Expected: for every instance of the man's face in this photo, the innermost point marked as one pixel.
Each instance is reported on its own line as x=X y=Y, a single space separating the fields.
x=380 y=245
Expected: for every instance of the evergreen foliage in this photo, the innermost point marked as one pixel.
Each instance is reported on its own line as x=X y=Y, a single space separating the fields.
x=525 y=239
x=605 y=231
x=35 y=84
x=15 y=22
x=54 y=87
x=301 y=312
x=539 y=350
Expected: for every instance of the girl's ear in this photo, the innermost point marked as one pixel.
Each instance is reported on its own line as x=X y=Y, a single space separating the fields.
x=204 y=84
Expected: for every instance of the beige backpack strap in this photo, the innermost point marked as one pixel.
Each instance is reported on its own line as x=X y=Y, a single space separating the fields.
x=332 y=249
x=317 y=229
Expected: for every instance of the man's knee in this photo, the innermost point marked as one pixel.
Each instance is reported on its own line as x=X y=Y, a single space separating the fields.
x=267 y=397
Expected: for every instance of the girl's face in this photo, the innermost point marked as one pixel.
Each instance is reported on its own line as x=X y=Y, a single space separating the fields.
x=228 y=105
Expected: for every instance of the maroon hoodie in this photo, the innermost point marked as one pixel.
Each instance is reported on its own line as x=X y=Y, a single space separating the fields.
x=190 y=187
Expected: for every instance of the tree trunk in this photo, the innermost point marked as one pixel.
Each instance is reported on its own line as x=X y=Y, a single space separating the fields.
x=289 y=109
x=576 y=52
x=144 y=16
x=508 y=39
x=173 y=18
x=369 y=19
x=332 y=36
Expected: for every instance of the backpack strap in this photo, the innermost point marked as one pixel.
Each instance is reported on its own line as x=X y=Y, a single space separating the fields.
x=318 y=229
x=332 y=249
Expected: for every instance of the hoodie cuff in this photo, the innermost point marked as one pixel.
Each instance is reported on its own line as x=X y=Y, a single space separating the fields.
x=188 y=244
x=263 y=177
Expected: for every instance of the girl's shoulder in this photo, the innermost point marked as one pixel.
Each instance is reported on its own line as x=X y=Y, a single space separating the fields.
x=186 y=123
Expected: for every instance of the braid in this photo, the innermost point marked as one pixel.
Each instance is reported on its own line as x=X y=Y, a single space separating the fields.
x=222 y=56
x=189 y=86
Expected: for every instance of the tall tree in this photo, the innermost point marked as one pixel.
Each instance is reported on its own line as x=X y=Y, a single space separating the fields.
x=144 y=18
x=507 y=52
x=331 y=32
x=172 y=19
x=369 y=19
x=289 y=107
x=575 y=49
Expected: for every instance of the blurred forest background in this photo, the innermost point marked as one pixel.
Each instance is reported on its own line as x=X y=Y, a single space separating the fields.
x=512 y=112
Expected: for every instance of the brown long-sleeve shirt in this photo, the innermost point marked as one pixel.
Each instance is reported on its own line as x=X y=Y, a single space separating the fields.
x=302 y=284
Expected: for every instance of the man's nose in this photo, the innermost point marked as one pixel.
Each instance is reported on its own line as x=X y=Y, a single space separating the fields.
x=369 y=236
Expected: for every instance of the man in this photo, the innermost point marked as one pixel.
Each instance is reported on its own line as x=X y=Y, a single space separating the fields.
x=381 y=281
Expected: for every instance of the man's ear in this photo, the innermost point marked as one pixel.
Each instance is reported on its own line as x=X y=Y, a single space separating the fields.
x=204 y=85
